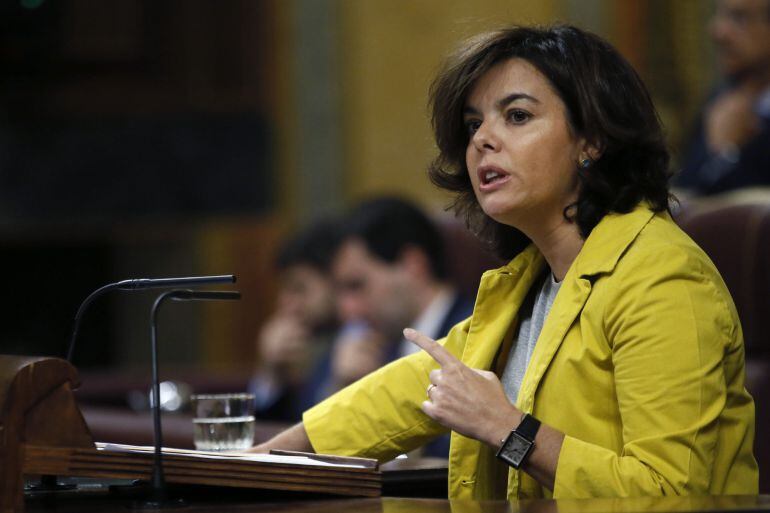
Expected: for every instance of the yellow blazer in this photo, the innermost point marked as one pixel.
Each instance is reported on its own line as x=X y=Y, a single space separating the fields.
x=640 y=363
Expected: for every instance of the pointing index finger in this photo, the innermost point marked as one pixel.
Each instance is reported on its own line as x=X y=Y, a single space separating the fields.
x=430 y=346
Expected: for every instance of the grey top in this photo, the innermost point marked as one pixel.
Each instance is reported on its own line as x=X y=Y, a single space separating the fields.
x=532 y=314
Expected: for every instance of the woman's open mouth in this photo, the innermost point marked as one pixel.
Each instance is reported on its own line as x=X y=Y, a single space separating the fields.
x=490 y=177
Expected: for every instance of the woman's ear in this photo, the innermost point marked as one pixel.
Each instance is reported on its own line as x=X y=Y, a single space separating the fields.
x=593 y=150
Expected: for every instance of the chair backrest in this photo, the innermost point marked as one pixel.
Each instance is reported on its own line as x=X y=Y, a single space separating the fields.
x=467 y=256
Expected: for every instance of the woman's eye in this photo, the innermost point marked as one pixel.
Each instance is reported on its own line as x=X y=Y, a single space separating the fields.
x=472 y=126
x=518 y=116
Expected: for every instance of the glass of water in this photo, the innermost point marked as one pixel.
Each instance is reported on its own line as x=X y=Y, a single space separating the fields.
x=223 y=422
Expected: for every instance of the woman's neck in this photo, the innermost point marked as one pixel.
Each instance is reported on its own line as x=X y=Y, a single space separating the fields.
x=559 y=245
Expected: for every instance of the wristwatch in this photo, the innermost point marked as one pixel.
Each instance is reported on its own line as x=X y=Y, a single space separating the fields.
x=517 y=446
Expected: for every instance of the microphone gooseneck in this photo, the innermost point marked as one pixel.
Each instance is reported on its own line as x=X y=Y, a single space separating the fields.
x=169 y=283
x=141 y=284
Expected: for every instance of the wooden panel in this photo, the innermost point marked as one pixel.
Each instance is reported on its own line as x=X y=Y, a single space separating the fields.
x=36 y=404
x=205 y=503
x=214 y=472
x=246 y=249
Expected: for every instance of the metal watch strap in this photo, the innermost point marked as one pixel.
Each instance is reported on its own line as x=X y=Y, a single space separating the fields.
x=528 y=427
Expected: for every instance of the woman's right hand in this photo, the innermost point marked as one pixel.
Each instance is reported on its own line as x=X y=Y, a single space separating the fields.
x=293 y=439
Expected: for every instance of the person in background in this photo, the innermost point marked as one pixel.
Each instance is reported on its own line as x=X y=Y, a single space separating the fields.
x=300 y=332
x=390 y=272
x=731 y=145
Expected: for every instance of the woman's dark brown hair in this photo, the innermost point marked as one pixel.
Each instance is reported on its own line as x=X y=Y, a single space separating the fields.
x=607 y=104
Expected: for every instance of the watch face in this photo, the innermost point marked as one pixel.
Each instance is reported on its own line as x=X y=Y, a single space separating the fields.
x=515 y=449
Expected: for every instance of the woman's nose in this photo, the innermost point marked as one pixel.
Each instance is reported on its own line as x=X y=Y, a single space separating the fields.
x=485 y=138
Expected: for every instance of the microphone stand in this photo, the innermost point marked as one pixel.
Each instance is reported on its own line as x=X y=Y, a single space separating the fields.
x=49 y=483
x=158 y=496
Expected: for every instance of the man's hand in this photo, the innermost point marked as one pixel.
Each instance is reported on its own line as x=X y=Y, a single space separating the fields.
x=283 y=347
x=730 y=122
x=469 y=401
x=355 y=355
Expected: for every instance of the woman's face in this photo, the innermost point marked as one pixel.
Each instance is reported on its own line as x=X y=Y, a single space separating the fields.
x=521 y=155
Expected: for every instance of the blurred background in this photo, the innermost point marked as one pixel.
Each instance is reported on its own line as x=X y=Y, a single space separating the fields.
x=149 y=138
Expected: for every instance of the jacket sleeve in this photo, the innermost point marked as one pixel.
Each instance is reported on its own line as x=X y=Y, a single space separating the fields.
x=380 y=415
x=670 y=325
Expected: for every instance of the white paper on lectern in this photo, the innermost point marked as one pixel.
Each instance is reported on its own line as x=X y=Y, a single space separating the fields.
x=246 y=456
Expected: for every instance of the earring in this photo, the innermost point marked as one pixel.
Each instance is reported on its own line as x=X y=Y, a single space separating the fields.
x=586 y=163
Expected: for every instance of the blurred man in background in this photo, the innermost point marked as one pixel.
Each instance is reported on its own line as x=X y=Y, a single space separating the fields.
x=390 y=271
x=731 y=147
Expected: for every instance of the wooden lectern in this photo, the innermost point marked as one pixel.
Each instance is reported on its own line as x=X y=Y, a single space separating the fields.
x=42 y=432
x=37 y=408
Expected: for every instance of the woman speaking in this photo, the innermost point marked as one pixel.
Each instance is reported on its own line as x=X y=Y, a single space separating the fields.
x=606 y=359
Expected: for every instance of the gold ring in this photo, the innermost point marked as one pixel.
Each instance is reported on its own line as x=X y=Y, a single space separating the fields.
x=430 y=387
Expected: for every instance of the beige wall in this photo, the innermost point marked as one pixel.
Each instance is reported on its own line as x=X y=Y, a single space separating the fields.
x=390 y=52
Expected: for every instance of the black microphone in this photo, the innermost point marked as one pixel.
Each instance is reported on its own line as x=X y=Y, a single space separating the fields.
x=158 y=495
x=142 y=284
